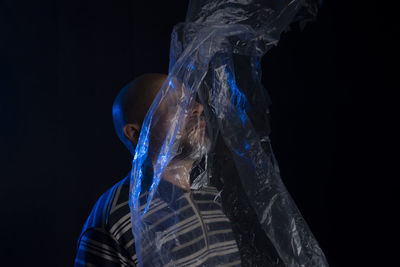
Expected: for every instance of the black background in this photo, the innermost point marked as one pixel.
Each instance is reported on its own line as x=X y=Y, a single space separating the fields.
x=332 y=86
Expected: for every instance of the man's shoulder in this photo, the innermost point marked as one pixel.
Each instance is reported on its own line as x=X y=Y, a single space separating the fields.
x=104 y=236
x=110 y=207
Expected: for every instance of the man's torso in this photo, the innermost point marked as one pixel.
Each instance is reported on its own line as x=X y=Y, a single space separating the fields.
x=180 y=228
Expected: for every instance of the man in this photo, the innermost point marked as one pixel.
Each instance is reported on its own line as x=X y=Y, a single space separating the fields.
x=202 y=236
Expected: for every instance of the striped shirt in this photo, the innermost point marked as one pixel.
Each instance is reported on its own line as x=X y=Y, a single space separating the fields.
x=185 y=228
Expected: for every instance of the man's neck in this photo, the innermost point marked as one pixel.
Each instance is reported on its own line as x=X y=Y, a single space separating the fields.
x=178 y=173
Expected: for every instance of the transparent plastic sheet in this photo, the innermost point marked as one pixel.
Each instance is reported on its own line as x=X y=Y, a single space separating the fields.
x=206 y=134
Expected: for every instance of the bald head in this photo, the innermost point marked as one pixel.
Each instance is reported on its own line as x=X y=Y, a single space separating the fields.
x=131 y=106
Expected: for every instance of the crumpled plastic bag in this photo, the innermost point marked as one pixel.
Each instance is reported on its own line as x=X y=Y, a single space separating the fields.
x=212 y=115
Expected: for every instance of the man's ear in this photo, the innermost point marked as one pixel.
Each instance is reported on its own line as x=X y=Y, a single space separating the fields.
x=132 y=131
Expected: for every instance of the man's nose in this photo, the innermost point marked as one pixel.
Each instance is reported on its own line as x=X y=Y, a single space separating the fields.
x=197 y=109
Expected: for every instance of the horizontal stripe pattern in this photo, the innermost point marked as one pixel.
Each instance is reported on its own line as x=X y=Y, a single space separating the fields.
x=190 y=230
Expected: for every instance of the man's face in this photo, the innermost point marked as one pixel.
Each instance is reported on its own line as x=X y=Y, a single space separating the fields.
x=192 y=141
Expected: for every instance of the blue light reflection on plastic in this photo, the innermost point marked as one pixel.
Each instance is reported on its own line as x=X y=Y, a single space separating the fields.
x=246 y=145
x=162 y=160
x=238 y=98
x=171 y=84
x=137 y=162
x=240 y=105
x=135 y=184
